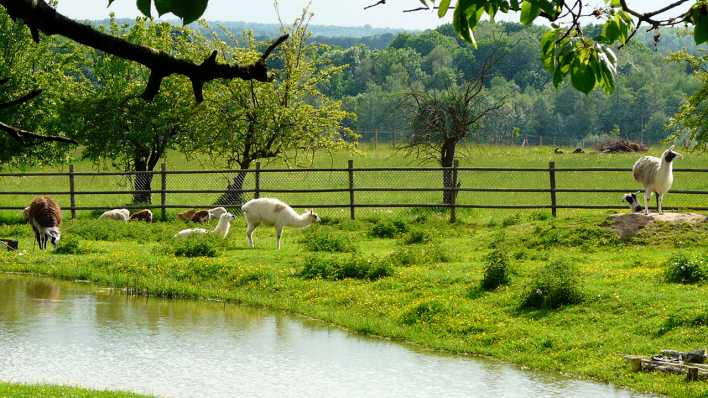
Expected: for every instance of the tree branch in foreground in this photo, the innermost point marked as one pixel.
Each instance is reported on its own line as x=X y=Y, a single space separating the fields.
x=20 y=135
x=40 y=16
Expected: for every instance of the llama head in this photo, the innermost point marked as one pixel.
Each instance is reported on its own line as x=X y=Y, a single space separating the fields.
x=217 y=212
x=669 y=155
x=313 y=217
x=631 y=198
x=54 y=236
x=227 y=217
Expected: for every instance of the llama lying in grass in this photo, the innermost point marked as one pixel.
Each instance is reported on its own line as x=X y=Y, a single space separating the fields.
x=274 y=212
x=115 y=214
x=203 y=216
x=656 y=175
x=44 y=215
x=221 y=230
x=142 y=215
x=186 y=215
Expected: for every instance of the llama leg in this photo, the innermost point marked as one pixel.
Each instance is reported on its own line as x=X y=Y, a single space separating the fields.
x=659 y=199
x=647 y=197
x=36 y=236
x=249 y=234
x=278 y=234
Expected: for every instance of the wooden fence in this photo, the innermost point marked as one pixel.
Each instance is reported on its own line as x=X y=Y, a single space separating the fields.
x=351 y=190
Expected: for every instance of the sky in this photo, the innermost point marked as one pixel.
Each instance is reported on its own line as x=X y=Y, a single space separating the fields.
x=327 y=12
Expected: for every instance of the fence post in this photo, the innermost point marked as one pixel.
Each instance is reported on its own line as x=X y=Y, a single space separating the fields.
x=351 y=188
x=453 y=209
x=72 y=192
x=552 y=177
x=163 y=192
x=257 y=194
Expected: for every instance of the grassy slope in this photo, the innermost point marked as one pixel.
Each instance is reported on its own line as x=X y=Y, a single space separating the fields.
x=628 y=308
x=537 y=157
x=42 y=391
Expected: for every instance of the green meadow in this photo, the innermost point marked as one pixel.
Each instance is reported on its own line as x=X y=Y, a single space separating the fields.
x=44 y=391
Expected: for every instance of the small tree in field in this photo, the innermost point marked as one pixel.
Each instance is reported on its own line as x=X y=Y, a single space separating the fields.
x=114 y=123
x=440 y=120
x=246 y=121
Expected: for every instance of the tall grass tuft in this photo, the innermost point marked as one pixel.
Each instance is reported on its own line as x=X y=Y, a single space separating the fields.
x=496 y=270
x=354 y=267
x=196 y=246
x=683 y=269
x=554 y=286
x=317 y=240
x=388 y=229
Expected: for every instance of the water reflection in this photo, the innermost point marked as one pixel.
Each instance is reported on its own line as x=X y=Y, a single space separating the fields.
x=77 y=334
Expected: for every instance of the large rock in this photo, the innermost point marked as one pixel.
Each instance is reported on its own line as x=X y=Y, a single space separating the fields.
x=629 y=224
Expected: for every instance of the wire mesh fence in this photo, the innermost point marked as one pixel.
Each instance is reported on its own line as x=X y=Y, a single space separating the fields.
x=349 y=190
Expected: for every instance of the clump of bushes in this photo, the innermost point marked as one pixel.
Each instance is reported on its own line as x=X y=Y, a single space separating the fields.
x=354 y=267
x=496 y=270
x=424 y=312
x=417 y=236
x=317 y=240
x=388 y=229
x=683 y=269
x=70 y=246
x=196 y=247
x=556 y=285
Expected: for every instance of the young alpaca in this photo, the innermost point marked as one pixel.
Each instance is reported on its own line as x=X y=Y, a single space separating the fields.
x=44 y=215
x=186 y=215
x=656 y=175
x=203 y=216
x=631 y=198
x=116 y=214
x=221 y=230
x=274 y=212
x=142 y=215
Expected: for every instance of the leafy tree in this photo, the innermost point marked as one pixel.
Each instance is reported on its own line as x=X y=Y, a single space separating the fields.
x=113 y=123
x=286 y=119
x=691 y=122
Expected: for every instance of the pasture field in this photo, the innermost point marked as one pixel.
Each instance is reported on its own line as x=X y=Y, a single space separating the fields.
x=415 y=278
x=40 y=391
x=472 y=156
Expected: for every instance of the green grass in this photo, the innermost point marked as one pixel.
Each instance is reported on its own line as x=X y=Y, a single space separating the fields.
x=432 y=298
x=45 y=391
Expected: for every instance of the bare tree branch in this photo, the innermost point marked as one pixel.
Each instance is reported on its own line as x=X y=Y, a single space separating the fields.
x=25 y=98
x=41 y=17
x=20 y=136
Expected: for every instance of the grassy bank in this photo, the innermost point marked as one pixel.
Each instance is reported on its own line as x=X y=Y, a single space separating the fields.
x=44 y=391
x=417 y=278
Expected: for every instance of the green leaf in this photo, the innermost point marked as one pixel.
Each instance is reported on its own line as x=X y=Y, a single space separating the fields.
x=443 y=7
x=610 y=31
x=144 y=7
x=582 y=76
x=700 y=30
x=163 y=6
x=461 y=22
x=189 y=10
x=529 y=11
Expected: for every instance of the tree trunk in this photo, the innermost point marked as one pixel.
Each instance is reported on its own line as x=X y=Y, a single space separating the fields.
x=447 y=159
x=233 y=197
x=143 y=181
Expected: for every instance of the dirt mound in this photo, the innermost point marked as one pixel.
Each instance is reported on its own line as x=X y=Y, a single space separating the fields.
x=615 y=146
x=629 y=224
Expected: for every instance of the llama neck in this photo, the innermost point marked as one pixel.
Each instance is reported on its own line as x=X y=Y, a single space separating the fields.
x=222 y=228
x=666 y=167
x=301 y=220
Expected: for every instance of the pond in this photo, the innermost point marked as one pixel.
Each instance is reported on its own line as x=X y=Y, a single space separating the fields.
x=78 y=334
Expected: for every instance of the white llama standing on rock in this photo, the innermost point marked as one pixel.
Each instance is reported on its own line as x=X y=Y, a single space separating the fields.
x=656 y=175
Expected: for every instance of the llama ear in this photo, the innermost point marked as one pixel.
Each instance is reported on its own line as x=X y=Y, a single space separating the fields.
x=671 y=148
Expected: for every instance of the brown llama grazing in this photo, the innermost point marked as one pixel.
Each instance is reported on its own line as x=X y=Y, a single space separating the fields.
x=142 y=215
x=201 y=216
x=45 y=217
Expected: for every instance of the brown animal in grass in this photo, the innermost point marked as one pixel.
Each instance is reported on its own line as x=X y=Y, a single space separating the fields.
x=142 y=215
x=201 y=216
x=186 y=215
x=44 y=215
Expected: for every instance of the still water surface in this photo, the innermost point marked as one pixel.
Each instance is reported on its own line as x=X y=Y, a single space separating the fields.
x=75 y=334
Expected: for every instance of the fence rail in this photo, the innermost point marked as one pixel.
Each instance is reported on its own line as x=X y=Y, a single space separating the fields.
x=353 y=188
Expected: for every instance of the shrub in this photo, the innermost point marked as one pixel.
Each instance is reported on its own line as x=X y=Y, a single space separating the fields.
x=422 y=312
x=496 y=270
x=512 y=220
x=682 y=269
x=196 y=247
x=354 y=267
x=320 y=241
x=556 y=285
x=539 y=216
x=417 y=236
x=70 y=246
x=388 y=229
